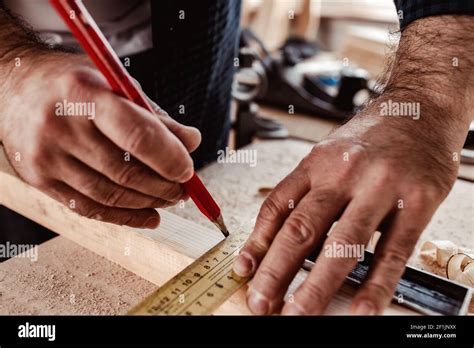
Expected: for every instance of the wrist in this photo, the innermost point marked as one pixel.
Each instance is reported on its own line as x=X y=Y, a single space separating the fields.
x=16 y=68
x=428 y=93
x=417 y=117
x=439 y=99
x=35 y=74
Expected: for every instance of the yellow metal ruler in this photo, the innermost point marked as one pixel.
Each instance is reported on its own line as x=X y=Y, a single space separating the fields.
x=202 y=286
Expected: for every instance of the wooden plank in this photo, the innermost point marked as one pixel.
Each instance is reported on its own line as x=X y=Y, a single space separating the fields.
x=373 y=11
x=159 y=254
x=68 y=279
x=156 y=255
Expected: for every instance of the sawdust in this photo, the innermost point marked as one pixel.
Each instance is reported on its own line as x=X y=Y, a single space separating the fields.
x=76 y=283
x=68 y=279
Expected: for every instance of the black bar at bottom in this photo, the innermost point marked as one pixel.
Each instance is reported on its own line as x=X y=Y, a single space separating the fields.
x=190 y=331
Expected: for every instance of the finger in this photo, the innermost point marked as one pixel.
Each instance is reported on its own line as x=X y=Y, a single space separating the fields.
x=189 y=136
x=137 y=131
x=97 y=187
x=302 y=230
x=351 y=233
x=100 y=154
x=278 y=205
x=155 y=106
x=391 y=256
x=82 y=205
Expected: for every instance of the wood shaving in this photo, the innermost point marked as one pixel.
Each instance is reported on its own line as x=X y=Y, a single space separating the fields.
x=265 y=191
x=460 y=268
x=458 y=262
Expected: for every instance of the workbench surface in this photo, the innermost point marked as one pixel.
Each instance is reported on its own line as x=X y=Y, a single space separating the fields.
x=69 y=279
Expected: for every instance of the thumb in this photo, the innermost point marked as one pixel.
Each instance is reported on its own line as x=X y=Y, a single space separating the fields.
x=189 y=136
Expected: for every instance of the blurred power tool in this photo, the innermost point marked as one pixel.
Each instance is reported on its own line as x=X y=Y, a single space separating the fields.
x=290 y=79
x=250 y=83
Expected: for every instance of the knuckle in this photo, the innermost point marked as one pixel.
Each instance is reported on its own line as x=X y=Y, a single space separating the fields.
x=114 y=196
x=127 y=220
x=411 y=234
x=394 y=259
x=325 y=197
x=360 y=224
x=270 y=210
x=171 y=192
x=37 y=180
x=420 y=196
x=37 y=158
x=90 y=185
x=95 y=213
x=383 y=177
x=160 y=203
x=72 y=80
x=324 y=146
x=312 y=292
x=267 y=277
x=299 y=230
x=344 y=239
x=256 y=244
x=378 y=290
x=417 y=198
x=129 y=174
x=36 y=174
x=136 y=141
x=352 y=157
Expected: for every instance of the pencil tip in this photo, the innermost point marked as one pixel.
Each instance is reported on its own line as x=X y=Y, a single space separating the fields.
x=219 y=222
x=225 y=232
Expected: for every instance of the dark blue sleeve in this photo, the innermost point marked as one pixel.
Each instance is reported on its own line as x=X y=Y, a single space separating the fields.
x=194 y=66
x=411 y=10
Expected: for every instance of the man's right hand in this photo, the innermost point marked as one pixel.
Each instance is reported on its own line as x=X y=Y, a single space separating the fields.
x=114 y=167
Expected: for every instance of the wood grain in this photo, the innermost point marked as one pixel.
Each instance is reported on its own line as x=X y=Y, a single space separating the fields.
x=157 y=255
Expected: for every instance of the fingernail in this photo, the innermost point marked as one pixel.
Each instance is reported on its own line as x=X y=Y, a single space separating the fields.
x=364 y=308
x=257 y=303
x=244 y=265
x=152 y=223
x=292 y=309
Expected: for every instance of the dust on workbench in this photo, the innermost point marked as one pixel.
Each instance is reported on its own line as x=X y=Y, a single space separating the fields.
x=235 y=186
x=68 y=279
x=238 y=189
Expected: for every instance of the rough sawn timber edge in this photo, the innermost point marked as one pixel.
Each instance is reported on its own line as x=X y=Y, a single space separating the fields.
x=142 y=252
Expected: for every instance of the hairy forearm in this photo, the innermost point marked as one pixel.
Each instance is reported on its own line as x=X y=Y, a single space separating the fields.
x=436 y=57
x=17 y=42
x=19 y=47
x=433 y=69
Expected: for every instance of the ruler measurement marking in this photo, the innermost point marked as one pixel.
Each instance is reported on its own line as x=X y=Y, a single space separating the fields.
x=222 y=268
x=206 y=276
x=209 y=279
x=179 y=278
x=202 y=277
x=207 y=289
x=231 y=255
x=182 y=292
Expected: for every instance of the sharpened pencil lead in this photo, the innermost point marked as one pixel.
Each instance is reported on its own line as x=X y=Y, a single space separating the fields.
x=219 y=222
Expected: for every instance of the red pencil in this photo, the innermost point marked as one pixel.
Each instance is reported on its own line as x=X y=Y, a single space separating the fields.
x=94 y=43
